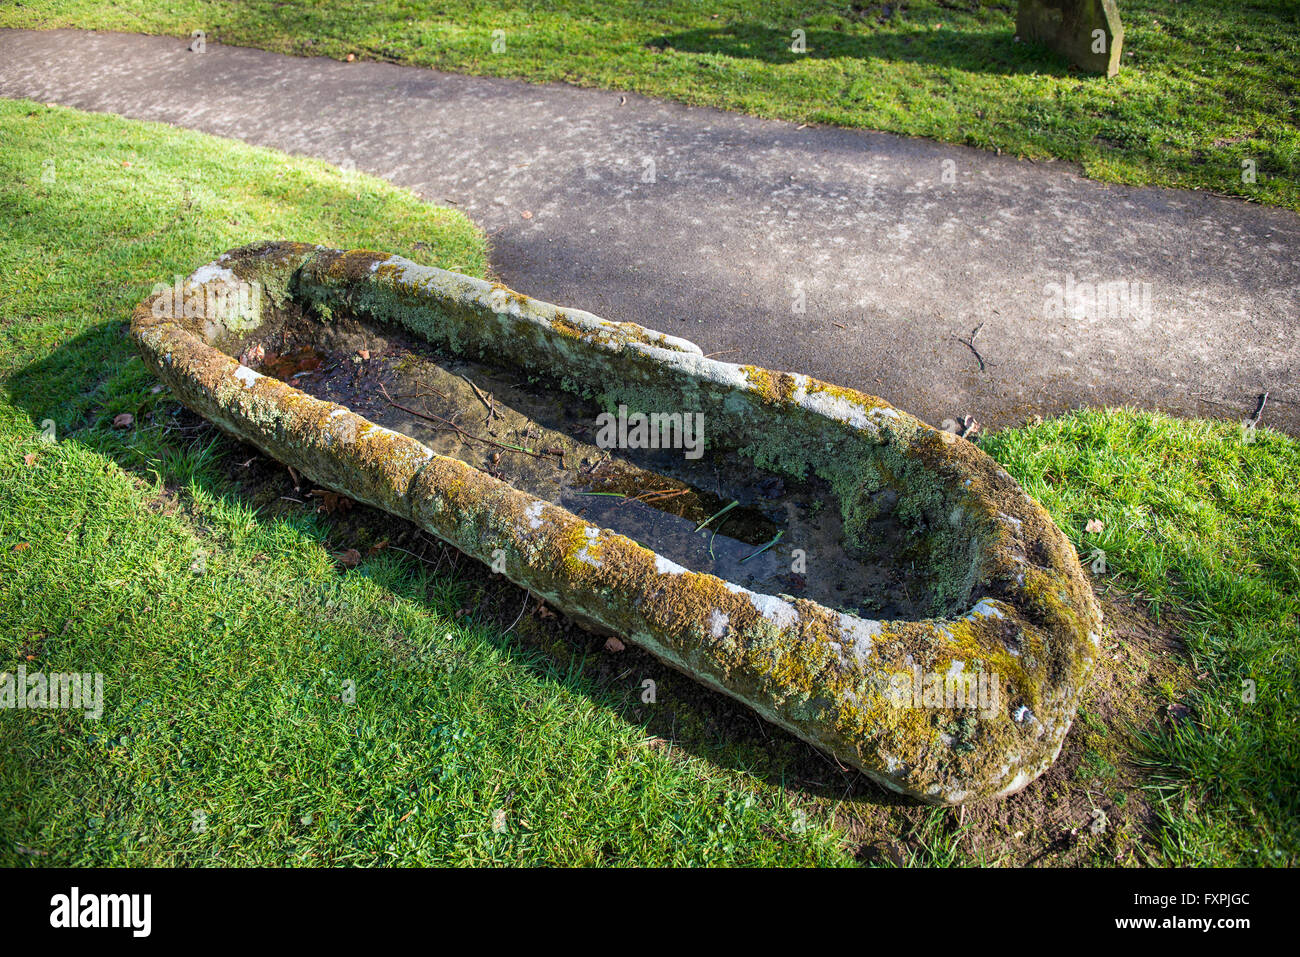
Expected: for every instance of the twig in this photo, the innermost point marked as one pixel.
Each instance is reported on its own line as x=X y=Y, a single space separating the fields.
x=398 y=548
x=486 y=404
x=522 y=609
x=452 y=425
x=657 y=496
x=421 y=395
x=969 y=343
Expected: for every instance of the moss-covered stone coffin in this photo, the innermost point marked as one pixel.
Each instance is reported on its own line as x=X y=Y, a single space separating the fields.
x=1005 y=611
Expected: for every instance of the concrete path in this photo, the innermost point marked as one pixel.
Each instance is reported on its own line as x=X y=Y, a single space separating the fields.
x=719 y=227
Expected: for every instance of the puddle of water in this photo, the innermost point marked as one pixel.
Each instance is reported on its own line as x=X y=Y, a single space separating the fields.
x=715 y=514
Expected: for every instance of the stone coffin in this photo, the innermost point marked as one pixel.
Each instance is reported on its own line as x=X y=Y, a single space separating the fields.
x=997 y=606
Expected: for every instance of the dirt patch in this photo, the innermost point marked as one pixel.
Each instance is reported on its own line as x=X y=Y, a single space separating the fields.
x=1091 y=807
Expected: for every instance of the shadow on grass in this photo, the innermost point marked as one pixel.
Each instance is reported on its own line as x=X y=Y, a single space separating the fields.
x=70 y=386
x=972 y=51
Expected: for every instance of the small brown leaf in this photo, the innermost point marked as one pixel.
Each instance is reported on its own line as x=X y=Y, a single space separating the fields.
x=21 y=547
x=377 y=547
x=527 y=214
x=350 y=558
x=1094 y=526
x=331 y=502
x=613 y=645
x=29 y=458
x=123 y=421
x=291 y=364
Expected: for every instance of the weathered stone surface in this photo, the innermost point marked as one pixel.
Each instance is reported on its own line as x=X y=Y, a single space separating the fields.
x=1087 y=32
x=1012 y=602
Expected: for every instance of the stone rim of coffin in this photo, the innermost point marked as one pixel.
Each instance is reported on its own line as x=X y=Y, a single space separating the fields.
x=1023 y=628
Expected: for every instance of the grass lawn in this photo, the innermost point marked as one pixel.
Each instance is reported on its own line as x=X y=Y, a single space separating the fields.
x=267 y=703
x=1205 y=84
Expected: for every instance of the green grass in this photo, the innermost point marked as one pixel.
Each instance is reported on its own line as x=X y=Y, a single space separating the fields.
x=1208 y=84
x=229 y=735
x=1206 y=526
x=225 y=691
